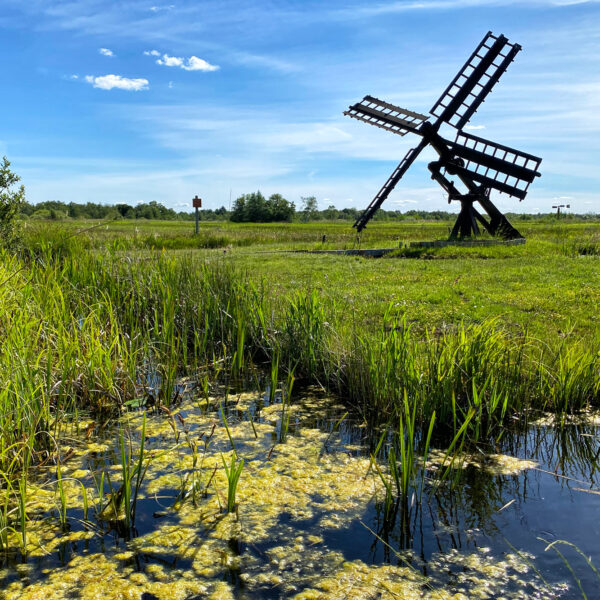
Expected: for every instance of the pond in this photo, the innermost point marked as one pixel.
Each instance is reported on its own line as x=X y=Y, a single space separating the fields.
x=310 y=519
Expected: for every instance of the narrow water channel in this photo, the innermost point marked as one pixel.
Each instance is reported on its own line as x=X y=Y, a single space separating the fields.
x=310 y=520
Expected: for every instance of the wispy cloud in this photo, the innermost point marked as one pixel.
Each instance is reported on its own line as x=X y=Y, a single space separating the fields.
x=193 y=63
x=403 y=6
x=109 y=82
x=106 y=52
x=270 y=62
x=163 y=7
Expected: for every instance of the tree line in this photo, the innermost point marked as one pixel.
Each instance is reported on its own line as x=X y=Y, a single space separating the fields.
x=248 y=208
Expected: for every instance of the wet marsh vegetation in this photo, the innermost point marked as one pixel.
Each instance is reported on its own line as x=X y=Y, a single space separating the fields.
x=190 y=425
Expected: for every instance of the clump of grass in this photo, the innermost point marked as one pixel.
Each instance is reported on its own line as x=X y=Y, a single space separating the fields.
x=286 y=396
x=306 y=336
x=407 y=462
x=233 y=472
x=122 y=503
x=274 y=379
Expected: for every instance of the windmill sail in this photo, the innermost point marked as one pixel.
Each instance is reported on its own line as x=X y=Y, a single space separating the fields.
x=493 y=165
x=385 y=115
x=475 y=80
x=388 y=186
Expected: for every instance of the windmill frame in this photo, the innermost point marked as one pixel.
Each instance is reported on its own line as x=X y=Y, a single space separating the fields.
x=481 y=165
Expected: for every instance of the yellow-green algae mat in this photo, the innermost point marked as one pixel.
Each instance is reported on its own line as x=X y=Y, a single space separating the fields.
x=194 y=548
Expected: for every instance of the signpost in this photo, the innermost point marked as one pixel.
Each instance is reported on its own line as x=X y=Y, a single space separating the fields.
x=558 y=207
x=197 y=203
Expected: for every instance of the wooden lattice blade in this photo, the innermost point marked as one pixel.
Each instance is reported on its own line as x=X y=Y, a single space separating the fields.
x=386 y=116
x=388 y=186
x=493 y=165
x=475 y=80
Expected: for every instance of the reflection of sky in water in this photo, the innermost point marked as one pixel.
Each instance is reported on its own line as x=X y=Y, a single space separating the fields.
x=310 y=522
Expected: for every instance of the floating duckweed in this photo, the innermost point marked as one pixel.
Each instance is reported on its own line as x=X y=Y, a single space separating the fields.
x=585 y=417
x=283 y=487
x=493 y=464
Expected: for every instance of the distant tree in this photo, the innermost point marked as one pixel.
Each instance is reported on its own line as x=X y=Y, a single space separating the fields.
x=125 y=211
x=74 y=210
x=309 y=208
x=349 y=213
x=11 y=200
x=330 y=213
x=238 y=214
x=280 y=209
x=57 y=215
x=257 y=210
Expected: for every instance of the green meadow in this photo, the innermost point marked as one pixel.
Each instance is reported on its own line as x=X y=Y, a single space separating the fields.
x=548 y=286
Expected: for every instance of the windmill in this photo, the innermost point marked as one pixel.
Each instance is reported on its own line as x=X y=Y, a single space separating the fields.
x=479 y=164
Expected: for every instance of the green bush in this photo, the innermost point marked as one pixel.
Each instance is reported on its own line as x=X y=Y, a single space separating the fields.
x=10 y=202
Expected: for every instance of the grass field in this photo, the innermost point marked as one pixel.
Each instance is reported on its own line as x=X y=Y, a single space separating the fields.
x=549 y=286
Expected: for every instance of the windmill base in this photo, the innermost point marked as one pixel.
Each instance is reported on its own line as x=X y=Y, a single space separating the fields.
x=469 y=218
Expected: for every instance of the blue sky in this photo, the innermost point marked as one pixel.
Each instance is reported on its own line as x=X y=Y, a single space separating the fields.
x=138 y=100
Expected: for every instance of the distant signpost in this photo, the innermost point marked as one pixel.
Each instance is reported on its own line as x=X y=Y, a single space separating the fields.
x=197 y=203
x=558 y=207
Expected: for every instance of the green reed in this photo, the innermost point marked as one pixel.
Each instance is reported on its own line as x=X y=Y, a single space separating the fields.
x=274 y=378
x=406 y=458
x=232 y=472
x=286 y=396
x=122 y=501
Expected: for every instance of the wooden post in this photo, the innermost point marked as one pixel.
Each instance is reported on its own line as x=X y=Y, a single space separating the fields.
x=558 y=207
x=197 y=203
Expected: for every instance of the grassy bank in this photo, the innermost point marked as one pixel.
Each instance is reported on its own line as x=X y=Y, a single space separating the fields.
x=93 y=330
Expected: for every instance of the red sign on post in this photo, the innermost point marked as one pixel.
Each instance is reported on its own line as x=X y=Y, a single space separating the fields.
x=197 y=202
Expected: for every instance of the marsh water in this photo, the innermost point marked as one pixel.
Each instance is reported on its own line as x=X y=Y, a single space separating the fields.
x=517 y=520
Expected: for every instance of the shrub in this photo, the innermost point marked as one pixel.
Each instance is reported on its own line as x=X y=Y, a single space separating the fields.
x=10 y=202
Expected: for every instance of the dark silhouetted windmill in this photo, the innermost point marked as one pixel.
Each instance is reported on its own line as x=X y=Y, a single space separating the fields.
x=479 y=164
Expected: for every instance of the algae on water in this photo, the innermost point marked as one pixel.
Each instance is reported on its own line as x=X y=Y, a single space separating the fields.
x=291 y=496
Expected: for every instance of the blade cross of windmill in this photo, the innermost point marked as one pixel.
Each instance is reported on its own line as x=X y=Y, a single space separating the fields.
x=481 y=165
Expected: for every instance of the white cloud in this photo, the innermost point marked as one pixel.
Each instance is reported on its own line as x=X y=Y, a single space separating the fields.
x=402 y=6
x=198 y=64
x=170 y=61
x=193 y=63
x=74 y=76
x=106 y=52
x=151 y=52
x=270 y=62
x=164 y=7
x=108 y=82
x=474 y=127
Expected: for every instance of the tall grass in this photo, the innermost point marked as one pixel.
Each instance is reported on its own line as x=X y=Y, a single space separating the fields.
x=82 y=328
x=233 y=473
